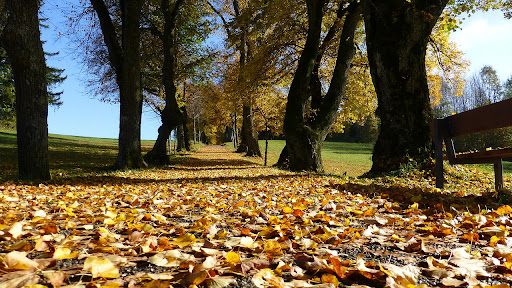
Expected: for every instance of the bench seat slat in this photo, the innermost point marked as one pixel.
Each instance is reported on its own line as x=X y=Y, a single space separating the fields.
x=495 y=153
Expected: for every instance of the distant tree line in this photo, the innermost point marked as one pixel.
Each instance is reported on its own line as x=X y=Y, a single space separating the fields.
x=481 y=89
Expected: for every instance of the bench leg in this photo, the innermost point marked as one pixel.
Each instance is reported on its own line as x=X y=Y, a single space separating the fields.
x=498 y=174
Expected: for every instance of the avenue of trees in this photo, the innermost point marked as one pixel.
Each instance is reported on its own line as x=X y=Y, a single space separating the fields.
x=301 y=68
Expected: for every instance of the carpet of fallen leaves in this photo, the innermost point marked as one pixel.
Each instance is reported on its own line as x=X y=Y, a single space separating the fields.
x=218 y=220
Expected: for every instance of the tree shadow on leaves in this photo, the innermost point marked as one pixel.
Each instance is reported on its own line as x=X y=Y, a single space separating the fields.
x=435 y=201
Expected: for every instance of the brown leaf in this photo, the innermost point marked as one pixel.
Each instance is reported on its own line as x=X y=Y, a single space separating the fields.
x=194 y=278
x=22 y=281
x=57 y=279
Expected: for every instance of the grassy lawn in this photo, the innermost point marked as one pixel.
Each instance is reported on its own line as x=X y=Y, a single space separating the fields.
x=74 y=156
x=352 y=158
x=69 y=155
x=338 y=157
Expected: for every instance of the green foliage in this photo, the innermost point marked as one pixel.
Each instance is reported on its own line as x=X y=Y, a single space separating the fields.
x=7 y=96
x=507 y=88
x=363 y=131
x=7 y=93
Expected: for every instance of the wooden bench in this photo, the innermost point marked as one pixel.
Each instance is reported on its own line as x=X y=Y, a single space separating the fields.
x=485 y=118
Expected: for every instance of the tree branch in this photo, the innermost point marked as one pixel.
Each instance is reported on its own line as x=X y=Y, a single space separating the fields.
x=110 y=36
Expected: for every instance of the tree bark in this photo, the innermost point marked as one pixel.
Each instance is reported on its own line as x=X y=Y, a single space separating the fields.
x=397 y=33
x=21 y=40
x=304 y=137
x=248 y=142
x=186 y=134
x=171 y=115
x=124 y=55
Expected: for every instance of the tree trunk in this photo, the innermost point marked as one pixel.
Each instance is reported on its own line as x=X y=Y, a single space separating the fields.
x=129 y=80
x=248 y=142
x=171 y=115
x=397 y=34
x=21 y=41
x=304 y=137
x=186 y=136
x=180 y=138
x=125 y=58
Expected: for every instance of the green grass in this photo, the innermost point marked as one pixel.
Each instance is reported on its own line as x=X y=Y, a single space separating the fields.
x=76 y=156
x=352 y=158
x=337 y=157
x=69 y=155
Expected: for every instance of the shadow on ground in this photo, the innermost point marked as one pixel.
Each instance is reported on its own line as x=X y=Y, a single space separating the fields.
x=436 y=202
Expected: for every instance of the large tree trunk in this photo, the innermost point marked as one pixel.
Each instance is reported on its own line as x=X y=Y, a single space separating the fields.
x=23 y=45
x=397 y=34
x=124 y=55
x=171 y=115
x=304 y=137
x=129 y=80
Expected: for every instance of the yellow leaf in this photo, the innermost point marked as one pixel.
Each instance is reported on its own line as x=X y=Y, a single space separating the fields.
x=18 y=261
x=221 y=234
x=233 y=258
x=287 y=210
x=64 y=253
x=505 y=209
x=184 y=240
x=101 y=267
x=109 y=221
x=272 y=247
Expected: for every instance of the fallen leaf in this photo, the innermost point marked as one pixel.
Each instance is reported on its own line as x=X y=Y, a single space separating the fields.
x=18 y=261
x=101 y=267
x=64 y=253
x=233 y=258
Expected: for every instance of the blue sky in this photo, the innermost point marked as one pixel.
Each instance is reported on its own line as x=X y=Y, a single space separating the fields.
x=485 y=38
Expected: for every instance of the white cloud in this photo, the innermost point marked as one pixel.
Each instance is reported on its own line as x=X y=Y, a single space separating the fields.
x=486 y=39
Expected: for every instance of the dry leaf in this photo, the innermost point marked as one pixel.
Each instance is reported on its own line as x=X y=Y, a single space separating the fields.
x=22 y=281
x=194 y=278
x=18 y=261
x=64 y=253
x=233 y=258
x=57 y=279
x=101 y=267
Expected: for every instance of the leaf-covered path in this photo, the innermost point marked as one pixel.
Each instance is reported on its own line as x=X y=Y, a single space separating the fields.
x=219 y=220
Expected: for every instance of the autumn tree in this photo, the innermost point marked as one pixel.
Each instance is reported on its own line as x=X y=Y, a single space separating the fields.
x=171 y=115
x=176 y=54
x=305 y=132
x=21 y=40
x=238 y=28
x=397 y=34
x=125 y=59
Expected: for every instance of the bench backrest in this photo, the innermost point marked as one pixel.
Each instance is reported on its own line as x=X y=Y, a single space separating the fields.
x=489 y=117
